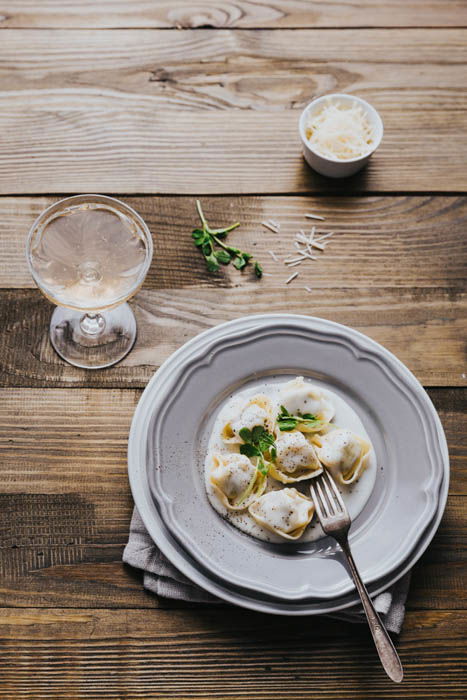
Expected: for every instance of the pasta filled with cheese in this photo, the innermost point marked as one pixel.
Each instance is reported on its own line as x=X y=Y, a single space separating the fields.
x=343 y=453
x=258 y=411
x=286 y=512
x=236 y=480
x=295 y=460
x=302 y=399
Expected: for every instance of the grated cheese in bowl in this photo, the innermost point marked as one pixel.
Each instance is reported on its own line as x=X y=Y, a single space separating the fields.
x=339 y=131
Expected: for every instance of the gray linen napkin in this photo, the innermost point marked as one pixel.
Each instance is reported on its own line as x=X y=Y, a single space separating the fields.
x=165 y=580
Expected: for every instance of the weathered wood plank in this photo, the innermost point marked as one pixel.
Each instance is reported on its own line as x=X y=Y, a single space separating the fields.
x=220 y=653
x=248 y=70
x=112 y=111
x=232 y=13
x=406 y=241
x=65 y=505
x=422 y=327
x=52 y=146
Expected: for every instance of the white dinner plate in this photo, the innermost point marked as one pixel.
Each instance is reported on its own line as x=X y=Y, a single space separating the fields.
x=173 y=422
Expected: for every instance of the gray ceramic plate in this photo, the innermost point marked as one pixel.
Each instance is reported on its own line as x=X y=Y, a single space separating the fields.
x=173 y=421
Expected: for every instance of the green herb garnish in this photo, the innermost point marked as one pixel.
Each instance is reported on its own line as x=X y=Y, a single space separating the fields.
x=286 y=421
x=215 y=252
x=256 y=443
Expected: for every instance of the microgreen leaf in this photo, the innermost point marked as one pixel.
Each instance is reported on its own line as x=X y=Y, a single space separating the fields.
x=245 y=434
x=256 y=442
x=286 y=421
x=198 y=233
x=286 y=425
x=249 y=450
x=207 y=238
x=257 y=433
x=207 y=248
x=211 y=263
x=222 y=256
x=239 y=263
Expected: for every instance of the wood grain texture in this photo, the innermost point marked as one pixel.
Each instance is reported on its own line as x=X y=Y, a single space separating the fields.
x=231 y=13
x=408 y=241
x=400 y=263
x=113 y=111
x=207 y=71
x=65 y=505
x=220 y=653
x=421 y=326
x=137 y=110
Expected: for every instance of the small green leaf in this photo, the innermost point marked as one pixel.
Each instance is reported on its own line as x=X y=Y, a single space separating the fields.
x=211 y=263
x=239 y=263
x=245 y=434
x=257 y=434
x=249 y=450
x=266 y=441
x=207 y=248
x=199 y=240
x=273 y=453
x=223 y=256
x=287 y=424
x=308 y=416
x=258 y=270
x=264 y=445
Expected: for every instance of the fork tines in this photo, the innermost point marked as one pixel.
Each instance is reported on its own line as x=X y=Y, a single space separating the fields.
x=326 y=497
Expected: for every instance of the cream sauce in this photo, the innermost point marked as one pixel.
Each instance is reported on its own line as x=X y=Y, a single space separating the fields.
x=355 y=496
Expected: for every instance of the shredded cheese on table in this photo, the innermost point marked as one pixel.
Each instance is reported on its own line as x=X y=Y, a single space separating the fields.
x=339 y=132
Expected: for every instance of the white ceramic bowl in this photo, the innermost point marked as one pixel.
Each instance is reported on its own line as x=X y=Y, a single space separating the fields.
x=333 y=167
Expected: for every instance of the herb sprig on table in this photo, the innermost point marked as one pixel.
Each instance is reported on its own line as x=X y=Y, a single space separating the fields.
x=216 y=252
x=257 y=441
x=286 y=421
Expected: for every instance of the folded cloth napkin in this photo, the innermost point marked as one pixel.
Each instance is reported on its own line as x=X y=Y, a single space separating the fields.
x=165 y=580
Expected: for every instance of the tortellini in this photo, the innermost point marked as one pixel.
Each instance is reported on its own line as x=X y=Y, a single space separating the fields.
x=286 y=512
x=343 y=453
x=236 y=480
x=295 y=459
x=258 y=411
x=299 y=397
x=266 y=448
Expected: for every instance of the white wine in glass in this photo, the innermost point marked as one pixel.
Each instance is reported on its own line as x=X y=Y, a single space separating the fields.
x=89 y=254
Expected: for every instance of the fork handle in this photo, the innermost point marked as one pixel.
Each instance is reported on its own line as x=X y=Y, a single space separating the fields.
x=384 y=646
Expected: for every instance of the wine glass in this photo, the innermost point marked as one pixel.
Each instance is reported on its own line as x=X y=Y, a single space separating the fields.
x=89 y=254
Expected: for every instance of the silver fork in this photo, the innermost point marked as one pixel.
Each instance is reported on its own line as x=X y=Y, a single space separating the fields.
x=335 y=521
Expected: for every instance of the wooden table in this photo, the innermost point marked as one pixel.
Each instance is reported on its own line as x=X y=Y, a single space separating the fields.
x=156 y=103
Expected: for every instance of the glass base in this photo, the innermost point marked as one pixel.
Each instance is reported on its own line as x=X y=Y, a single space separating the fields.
x=93 y=341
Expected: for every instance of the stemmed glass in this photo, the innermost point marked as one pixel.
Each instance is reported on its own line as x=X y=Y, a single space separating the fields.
x=89 y=254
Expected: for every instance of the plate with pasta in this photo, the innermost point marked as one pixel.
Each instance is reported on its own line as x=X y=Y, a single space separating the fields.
x=234 y=426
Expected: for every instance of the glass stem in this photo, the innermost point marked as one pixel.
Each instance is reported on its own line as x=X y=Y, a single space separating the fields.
x=92 y=324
